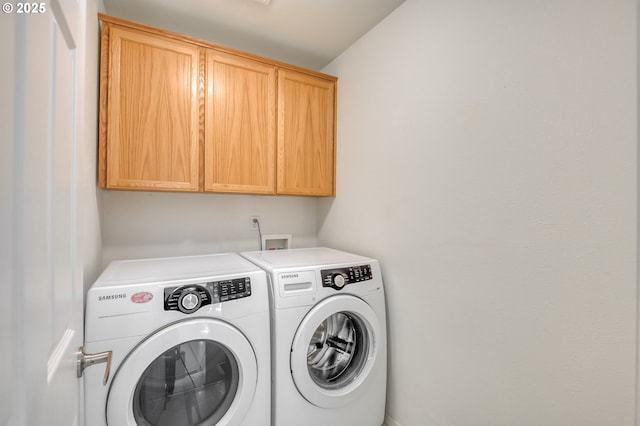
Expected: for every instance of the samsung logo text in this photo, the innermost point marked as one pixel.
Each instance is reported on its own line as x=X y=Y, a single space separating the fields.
x=111 y=297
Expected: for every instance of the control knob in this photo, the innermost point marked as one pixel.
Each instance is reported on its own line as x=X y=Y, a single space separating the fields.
x=189 y=301
x=338 y=281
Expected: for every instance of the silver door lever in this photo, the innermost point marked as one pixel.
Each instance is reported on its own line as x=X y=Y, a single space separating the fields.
x=87 y=360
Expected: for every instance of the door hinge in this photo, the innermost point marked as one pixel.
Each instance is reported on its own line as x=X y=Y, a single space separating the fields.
x=87 y=360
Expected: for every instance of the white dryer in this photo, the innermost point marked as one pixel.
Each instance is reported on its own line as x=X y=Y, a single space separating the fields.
x=329 y=345
x=189 y=342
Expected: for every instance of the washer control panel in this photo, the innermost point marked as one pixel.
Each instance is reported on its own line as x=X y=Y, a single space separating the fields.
x=339 y=277
x=189 y=298
x=230 y=289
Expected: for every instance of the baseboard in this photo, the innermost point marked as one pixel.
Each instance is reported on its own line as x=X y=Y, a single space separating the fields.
x=389 y=421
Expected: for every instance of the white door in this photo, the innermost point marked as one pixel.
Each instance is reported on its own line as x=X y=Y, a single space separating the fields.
x=41 y=319
x=194 y=372
x=334 y=350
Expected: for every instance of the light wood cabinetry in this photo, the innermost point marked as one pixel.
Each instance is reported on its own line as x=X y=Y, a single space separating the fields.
x=240 y=125
x=306 y=134
x=149 y=113
x=182 y=114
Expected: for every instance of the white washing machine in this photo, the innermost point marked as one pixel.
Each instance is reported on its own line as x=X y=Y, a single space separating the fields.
x=189 y=342
x=329 y=345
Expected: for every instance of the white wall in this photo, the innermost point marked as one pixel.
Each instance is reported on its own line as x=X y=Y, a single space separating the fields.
x=148 y=224
x=487 y=156
x=88 y=199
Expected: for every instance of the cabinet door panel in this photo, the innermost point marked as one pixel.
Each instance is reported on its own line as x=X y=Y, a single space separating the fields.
x=153 y=138
x=240 y=125
x=306 y=134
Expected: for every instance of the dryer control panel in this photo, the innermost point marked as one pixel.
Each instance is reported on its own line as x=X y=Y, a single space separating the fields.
x=189 y=298
x=339 y=277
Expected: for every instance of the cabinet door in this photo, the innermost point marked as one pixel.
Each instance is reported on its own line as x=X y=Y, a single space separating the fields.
x=306 y=134
x=150 y=138
x=240 y=125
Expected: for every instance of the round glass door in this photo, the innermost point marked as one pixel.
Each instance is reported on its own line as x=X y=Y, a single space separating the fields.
x=334 y=350
x=337 y=350
x=190 y=384
x=195 y=372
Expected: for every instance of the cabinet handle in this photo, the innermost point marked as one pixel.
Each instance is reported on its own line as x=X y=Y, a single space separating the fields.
x=87 y=360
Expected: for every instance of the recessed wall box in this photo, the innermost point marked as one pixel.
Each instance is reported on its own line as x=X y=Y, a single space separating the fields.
x=276 y=241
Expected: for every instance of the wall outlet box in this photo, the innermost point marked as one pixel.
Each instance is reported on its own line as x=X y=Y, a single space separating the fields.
x=276 y=242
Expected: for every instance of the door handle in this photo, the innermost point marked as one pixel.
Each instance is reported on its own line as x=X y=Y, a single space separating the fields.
x=87 y=360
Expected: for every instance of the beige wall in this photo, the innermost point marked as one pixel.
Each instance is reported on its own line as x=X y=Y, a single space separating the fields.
x=147 y=224
x=89 y=235
x=487 y=155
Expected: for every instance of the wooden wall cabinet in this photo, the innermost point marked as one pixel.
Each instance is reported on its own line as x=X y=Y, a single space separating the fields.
x=306 y=134
x=149 y=112
x=240 y=125
x=182 y=114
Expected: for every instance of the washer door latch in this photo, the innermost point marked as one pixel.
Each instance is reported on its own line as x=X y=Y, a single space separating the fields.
x=87 y=360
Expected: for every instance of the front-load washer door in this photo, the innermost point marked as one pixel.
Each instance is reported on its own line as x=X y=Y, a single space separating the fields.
x=195 y=372
x=334 y=351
